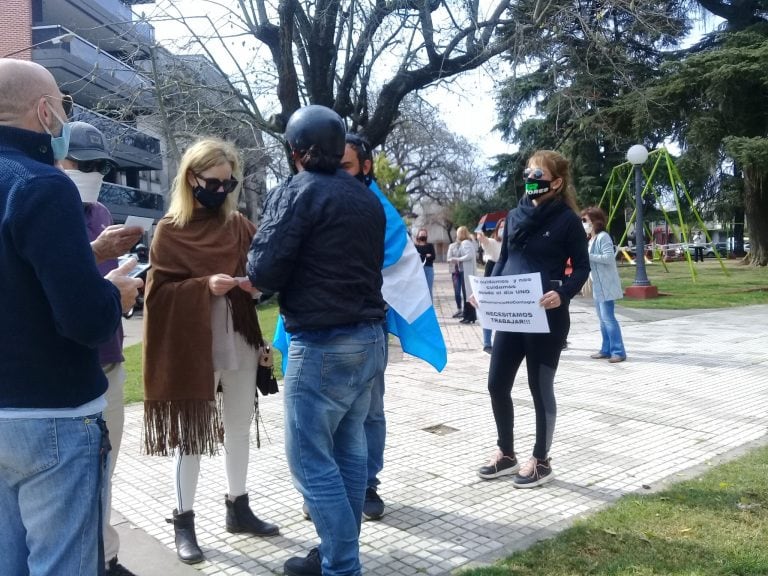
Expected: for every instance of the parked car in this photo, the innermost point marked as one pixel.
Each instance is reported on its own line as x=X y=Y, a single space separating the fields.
x=709 y=250
x=716 y=248
x=141 y=253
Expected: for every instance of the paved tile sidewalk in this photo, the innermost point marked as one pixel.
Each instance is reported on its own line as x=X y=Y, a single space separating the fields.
x=692 y=390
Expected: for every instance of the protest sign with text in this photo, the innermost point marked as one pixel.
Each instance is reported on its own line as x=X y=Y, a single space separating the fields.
x=510 y=303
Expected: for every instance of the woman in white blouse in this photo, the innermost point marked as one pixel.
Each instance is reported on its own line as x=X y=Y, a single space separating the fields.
x=468 y=258
x=491 y=246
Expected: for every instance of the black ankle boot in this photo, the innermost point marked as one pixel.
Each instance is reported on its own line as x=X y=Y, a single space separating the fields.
x=240 y=518
x=186 y=541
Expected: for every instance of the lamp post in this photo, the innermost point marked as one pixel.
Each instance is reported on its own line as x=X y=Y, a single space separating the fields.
x=641 y=287
x=62 y=38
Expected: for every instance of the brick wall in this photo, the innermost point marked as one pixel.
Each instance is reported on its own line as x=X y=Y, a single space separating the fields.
x=16 y=28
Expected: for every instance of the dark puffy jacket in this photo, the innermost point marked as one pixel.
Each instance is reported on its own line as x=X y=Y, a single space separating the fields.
x=320 y=244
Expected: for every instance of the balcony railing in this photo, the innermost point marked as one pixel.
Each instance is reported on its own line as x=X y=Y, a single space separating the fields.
x=129 y=146
x=109 y=24
x=126 y=197
x=85 y=69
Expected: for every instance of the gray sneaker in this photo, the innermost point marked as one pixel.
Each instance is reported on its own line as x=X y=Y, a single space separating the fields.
x=305 y=511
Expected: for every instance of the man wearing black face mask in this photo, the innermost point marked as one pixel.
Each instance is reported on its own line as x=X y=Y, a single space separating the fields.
x=358 y=162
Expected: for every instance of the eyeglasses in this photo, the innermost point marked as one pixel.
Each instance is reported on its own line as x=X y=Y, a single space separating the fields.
x=535 y=174
x=213 y=184
x=66 y=102
x=101 y=166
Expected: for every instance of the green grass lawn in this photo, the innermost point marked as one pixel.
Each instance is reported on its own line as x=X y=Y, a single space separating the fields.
x=134 y=388
x=714 y=525
x=712 y=288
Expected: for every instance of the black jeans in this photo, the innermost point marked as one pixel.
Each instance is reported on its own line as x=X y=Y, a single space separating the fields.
x=542 y=355
x=457 y=276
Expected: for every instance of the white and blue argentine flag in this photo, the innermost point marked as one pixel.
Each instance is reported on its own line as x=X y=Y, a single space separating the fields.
x=411 y=316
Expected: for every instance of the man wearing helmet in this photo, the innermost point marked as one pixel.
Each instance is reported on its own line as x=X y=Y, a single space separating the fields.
x=87 y=162
x=320 y=244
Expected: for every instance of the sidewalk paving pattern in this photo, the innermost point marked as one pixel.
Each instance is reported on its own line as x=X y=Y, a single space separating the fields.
x=692 y=390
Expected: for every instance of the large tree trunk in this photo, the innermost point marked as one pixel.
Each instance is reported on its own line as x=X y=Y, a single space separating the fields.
x=756 y=204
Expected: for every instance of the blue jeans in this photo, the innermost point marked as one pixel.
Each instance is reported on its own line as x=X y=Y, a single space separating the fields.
x=429 y=272
x=612 y=345
x=50 y=491
x=327 y=395
x=376 y=423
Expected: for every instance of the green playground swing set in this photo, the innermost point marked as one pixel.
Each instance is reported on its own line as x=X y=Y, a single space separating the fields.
x=615 y=196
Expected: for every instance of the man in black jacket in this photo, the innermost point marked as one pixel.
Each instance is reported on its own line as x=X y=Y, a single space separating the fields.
x=320 y=244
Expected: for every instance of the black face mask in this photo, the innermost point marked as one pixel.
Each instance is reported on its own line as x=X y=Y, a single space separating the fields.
x=536 y=188
x=211 y=200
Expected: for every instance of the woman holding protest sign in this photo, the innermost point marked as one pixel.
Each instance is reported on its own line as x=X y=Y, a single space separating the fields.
x=540 y=235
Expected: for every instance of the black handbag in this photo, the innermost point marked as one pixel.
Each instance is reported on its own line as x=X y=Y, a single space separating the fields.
x=266 y=382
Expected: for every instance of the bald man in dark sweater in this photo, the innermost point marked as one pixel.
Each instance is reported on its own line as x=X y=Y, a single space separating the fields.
x=56 y=309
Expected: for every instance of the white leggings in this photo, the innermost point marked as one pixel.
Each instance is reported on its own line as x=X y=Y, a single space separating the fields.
x=239 y=388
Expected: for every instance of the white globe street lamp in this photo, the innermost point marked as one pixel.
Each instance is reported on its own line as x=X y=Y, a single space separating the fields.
x=641 y=287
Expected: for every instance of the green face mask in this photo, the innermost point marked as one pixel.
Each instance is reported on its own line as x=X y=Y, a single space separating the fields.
x=535 y=188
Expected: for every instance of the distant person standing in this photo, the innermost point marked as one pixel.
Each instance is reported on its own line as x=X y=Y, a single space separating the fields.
x=457 y=277
x=491 y=246
x=468 y=259
x=426 y=251
x=87 y=162
x=606 y=284
x=698 y=247
x=330 y=298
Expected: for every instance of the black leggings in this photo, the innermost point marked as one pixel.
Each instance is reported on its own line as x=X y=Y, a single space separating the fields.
x=542 y=354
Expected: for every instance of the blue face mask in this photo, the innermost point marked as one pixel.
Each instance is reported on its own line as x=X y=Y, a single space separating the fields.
x=59 y=144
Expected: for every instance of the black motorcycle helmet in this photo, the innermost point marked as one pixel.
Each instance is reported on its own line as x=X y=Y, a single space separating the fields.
x=317 y=126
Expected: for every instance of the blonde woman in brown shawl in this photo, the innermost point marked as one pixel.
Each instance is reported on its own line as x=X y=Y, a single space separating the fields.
x=201 y=334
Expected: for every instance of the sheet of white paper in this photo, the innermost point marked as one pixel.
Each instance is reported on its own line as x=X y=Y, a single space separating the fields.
x=510 y=303
x=145 y=223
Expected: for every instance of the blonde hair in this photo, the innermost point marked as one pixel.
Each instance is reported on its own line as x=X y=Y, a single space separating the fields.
x=198 y=158
x=462 y=233
x=559 y=166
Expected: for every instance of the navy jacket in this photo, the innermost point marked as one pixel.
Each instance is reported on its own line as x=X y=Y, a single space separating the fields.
x=556 y=238
x=56 y=307
x=320 y=244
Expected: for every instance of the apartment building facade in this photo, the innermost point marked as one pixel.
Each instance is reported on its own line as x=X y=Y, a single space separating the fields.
x=95 y=50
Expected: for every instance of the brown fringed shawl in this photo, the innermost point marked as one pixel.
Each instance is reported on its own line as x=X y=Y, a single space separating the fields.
x=179 y=401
